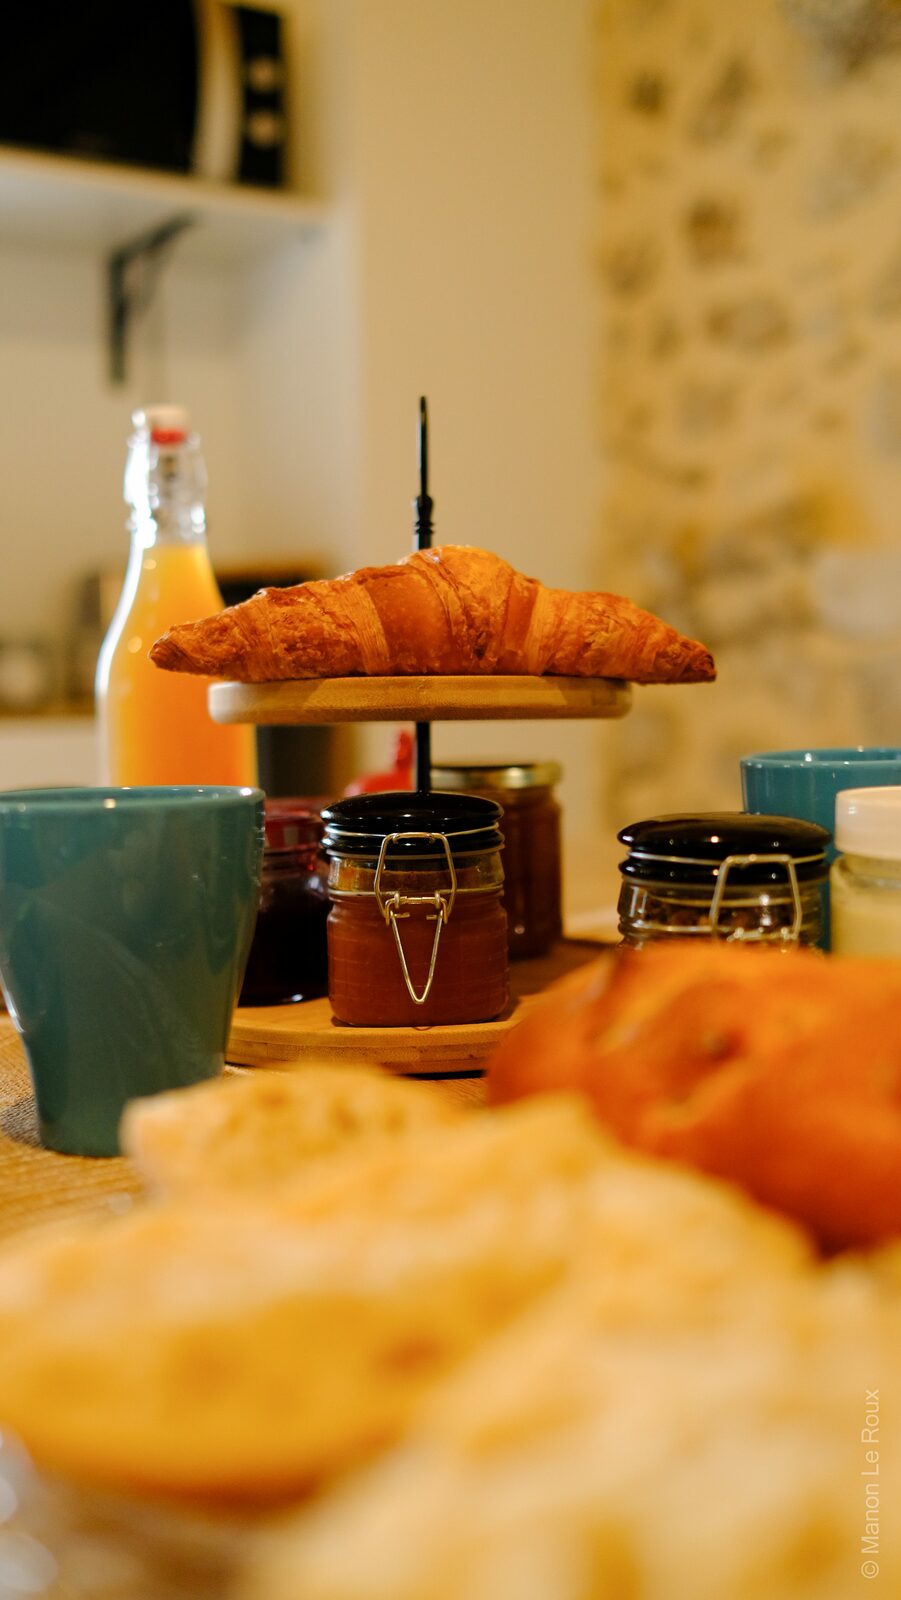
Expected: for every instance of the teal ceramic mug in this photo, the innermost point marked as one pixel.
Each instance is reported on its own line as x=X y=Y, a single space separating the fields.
x=126 y=917
x=804 y=783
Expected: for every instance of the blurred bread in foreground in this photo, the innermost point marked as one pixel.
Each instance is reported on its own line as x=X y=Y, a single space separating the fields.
x=780 y=1072
x=575 y=1459
x=238 y=1350
x=234 y=1351
x=231 y=1357
x=264 y=1128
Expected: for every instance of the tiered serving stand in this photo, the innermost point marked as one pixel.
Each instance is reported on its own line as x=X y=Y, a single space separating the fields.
x=283 y=1036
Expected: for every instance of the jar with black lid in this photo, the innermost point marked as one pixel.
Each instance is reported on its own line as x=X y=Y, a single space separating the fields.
x=727 y=875
x=417 y=933
x=531 y=831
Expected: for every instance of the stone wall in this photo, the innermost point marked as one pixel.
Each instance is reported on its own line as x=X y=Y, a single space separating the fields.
x=749 y=255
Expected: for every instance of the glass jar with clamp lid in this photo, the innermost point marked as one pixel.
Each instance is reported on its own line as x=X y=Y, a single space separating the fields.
x=417 y=932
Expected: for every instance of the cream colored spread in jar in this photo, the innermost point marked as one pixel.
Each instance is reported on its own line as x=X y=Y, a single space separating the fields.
x=865 y=881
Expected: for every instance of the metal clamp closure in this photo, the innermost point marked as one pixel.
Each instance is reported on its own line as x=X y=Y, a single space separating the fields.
x=390 y=907
x=787 y=935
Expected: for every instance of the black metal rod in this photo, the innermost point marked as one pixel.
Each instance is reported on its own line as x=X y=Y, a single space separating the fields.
x=423 y=756
x=422 y=539
x=422 y=528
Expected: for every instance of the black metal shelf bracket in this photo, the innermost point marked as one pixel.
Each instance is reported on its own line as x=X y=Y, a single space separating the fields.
x=132 y=276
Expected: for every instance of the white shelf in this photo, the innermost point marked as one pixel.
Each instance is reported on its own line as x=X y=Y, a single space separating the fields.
x=64 y=201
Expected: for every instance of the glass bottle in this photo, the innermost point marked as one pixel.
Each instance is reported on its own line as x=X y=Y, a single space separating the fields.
x=154 y=726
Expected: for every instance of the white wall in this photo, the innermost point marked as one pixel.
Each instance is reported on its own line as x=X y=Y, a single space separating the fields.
x=455 y=141
x=37 y=752
x=476 y=169
x=476 y=159
x=63 y=426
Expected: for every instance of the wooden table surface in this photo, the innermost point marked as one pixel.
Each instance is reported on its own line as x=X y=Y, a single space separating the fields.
x=39 y=1185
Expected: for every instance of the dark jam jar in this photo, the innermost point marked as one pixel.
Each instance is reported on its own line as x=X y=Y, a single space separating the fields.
x=289 y=956
x=531 y=830
x=726 y=875
x=417 y=933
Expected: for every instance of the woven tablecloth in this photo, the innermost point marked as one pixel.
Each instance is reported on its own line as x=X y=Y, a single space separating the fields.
x=37 y=1184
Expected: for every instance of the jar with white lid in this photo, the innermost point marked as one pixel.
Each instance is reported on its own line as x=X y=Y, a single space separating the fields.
x=865 y=880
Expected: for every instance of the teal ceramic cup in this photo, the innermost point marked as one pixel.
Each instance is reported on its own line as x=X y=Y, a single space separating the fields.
x=126 y=917
x=804 y=783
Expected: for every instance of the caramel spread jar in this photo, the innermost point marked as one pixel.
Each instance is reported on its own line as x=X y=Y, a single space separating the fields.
x=417 y=932
x=531 y=830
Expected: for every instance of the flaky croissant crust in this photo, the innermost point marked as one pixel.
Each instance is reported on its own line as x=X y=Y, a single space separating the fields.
x=450 y=610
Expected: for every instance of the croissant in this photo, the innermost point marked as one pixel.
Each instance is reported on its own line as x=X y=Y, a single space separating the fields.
x=450 y=610
x=780 y=1072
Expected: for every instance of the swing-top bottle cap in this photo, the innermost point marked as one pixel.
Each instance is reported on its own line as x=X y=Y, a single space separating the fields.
x=164 y=424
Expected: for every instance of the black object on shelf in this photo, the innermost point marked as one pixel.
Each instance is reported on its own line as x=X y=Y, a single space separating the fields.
x=188 y=88
x=194 y=89
x=261 y=158
x=87 y=81
x=422 y=540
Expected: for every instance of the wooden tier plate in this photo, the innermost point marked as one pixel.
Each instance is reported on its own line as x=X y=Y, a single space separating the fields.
x=409 y=699
x=283 y=1036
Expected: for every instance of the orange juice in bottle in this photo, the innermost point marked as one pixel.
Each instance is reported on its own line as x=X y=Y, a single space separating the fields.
x=154 y=726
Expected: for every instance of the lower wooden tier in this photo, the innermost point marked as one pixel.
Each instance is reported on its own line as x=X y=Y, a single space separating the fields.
x=287 y=1036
